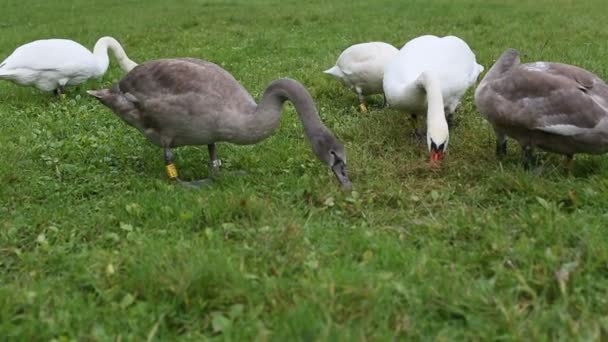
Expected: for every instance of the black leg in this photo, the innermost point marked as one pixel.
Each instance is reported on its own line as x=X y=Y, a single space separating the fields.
x=527 y=156
x=568 y=164
x=414 y=121
x=169 y=166
x=384 y=103
x=172 y=171
x=501 y=144
x=214 y=163
x=417 y=133
x=449 y=117
x=59 y=91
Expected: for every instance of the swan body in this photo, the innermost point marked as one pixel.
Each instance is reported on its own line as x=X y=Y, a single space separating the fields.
x=52 y=64
x=361 y=68
x=177 y=102
x=431 y=73
x=557 y=107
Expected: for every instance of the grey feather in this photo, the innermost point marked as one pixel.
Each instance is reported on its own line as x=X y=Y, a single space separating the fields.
x=558 y=107
x=185 y=101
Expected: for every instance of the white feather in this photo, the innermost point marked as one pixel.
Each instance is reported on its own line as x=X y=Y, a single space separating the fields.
x=538 y=66
x=449 y=65
x=564 y=129
x=52 y=63
x=449 y=58
x=361 y=66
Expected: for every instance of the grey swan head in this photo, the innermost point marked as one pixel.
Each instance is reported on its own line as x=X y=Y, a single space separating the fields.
x=185 y=101
x=557 y=107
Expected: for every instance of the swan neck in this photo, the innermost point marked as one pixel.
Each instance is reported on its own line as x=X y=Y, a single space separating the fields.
x=101 y=54
x=282 y=90
x=434 y=98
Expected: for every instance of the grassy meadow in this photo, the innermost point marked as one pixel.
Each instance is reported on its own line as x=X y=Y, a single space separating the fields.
x=97 y=245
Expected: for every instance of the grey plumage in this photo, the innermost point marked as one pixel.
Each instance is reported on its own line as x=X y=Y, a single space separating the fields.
x=177 y=102
x=557 y=107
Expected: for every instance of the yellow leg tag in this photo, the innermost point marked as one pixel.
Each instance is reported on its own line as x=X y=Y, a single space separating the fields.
x=363 y=108
x=171 y=171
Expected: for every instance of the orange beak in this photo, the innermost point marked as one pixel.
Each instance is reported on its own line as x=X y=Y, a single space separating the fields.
x=436 y=157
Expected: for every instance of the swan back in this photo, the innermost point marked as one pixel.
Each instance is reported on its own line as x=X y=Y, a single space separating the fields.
x=50 y=54
x=166 y=78
x=50 y=64
x=362 y=66
x=449 y=59
x=192 y=101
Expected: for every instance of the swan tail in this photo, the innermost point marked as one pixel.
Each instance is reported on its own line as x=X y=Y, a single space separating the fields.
x=508 y=60
x=4 y=73
x=334 y=71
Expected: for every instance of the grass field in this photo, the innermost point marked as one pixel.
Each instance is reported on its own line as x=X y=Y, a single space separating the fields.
x=96 y=244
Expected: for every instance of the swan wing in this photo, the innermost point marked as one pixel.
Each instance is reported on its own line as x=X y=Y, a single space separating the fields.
x=550 y=97
x=51 y=55
x=366 y=58
x=185 y=85
x=449 y=59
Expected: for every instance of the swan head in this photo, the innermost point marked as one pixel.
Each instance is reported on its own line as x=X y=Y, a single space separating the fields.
x=331 y=152
x=437 y=137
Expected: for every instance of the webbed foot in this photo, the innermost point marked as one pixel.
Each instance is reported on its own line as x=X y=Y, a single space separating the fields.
x=195 y=184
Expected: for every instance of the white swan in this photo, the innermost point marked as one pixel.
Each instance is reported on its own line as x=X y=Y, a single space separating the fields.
x=361 y=68
x=431 y=73
x=52 y=64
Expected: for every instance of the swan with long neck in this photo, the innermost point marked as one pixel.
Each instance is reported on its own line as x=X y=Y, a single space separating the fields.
x=431 y=74
x=177 y=102
x=53 y=64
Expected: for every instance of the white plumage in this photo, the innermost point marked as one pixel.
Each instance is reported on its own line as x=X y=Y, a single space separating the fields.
x=52 y=64
x=361 y=68
x=431 y=73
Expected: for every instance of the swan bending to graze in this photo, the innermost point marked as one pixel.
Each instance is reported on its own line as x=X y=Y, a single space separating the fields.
x=185 y=101
x=361 y=68
x=431 y=74
x=52 y=64
x=557 y=107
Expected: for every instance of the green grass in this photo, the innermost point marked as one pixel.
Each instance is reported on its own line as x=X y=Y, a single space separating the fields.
x=96 y=245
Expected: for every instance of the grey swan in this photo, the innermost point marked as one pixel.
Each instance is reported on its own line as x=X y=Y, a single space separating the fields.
x=186 y=101
x=557 y=107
